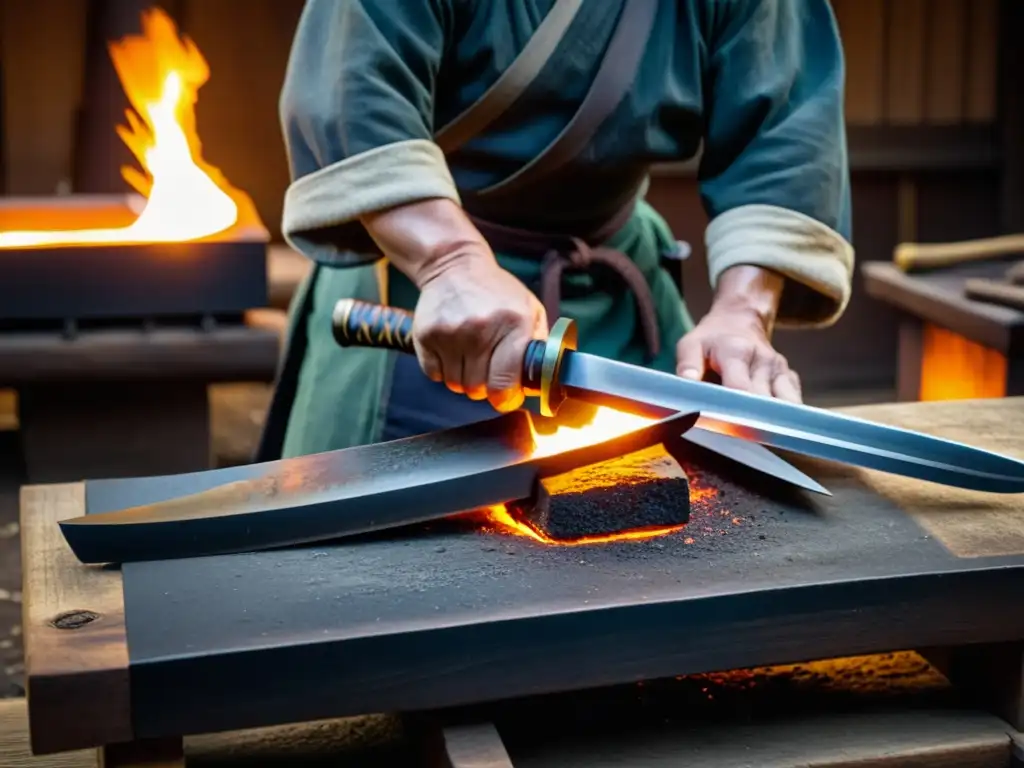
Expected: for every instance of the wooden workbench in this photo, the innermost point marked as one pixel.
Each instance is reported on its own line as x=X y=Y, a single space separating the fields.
x=950 y=346
x=968 y=547
x=126 y=402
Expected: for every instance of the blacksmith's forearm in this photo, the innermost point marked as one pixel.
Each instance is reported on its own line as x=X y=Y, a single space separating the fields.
x=423 y=238
x=752 y=290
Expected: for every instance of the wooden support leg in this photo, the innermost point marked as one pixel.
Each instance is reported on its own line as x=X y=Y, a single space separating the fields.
x=991 y=676
x=155 y=753
x=72 y=432
x=908 y=364
x=473 y=746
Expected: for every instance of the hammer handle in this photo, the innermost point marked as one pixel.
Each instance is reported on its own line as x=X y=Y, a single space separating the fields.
x=915 y=256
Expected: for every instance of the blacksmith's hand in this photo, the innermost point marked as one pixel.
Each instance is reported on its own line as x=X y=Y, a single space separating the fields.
x=473 y=320
x=473 y=323
x=734 y=338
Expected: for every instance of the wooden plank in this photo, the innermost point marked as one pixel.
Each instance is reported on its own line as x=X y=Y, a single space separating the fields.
x=862 y=28
x=983 y=525
x=946 y=58
x=908 y=362
x=905 y=89
x=76 y=644
x=888 y=739
x=477 y=745
x=982 y=86
x=43 y=44
x=929 y=739
x=938 y=298
x=358 y=628
x=223 y=353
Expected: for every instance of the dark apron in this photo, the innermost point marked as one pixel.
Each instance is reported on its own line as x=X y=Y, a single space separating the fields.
x=415 y=404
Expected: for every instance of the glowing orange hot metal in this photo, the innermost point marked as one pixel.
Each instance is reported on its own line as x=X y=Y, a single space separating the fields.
x=186 y=198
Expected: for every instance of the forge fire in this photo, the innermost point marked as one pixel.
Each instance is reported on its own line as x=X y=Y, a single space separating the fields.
x=184 y=197
x=645 y=495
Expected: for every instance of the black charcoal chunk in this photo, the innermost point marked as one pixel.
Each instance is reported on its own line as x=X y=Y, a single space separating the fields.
x=652 y=502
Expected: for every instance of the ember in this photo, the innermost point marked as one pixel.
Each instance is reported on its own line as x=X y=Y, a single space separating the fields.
x=186 y=198
x=648 y=473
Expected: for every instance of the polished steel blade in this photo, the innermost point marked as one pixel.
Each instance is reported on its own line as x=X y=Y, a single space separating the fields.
x=753 y=456
x=798 y=428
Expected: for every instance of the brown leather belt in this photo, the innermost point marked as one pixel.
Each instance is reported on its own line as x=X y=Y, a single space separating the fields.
x=561 y=253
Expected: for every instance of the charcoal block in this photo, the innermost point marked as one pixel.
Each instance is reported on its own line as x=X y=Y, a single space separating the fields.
x=602 y=510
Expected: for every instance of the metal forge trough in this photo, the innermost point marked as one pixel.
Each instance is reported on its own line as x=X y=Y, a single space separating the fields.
x=187 y=244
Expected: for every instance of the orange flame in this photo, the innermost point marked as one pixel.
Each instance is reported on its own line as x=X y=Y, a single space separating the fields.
x=605 y=424
x=187 y=198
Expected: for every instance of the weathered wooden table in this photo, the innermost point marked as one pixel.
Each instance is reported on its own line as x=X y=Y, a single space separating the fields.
x=127 y=401
x=132 y=660
x=950 y=346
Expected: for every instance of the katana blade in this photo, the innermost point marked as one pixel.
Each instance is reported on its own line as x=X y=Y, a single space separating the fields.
x=793 y=427
x=753 y=456
x=348 y=492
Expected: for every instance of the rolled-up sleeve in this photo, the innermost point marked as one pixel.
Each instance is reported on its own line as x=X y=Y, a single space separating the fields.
x=357 y=117
x=774 y=174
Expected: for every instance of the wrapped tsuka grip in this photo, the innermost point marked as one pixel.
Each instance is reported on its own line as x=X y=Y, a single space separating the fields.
x=362 y=324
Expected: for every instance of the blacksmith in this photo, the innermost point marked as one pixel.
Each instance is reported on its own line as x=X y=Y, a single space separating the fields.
x=485 y=162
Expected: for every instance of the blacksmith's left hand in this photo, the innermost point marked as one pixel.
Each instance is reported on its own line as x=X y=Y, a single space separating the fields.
x=734 y=338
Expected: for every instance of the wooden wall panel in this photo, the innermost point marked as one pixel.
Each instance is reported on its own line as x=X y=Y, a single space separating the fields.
x=42 y=43
x=862 y=26
x=905 y=60
x=982 y=61
x=947 y=37
x=246 y=43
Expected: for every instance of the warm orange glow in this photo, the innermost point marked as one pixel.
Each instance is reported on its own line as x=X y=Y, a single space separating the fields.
x=606 y=424
x=500 y=518
x=955 y=368
x=186 y=198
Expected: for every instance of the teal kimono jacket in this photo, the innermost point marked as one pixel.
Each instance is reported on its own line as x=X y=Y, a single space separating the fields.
x=754 y=87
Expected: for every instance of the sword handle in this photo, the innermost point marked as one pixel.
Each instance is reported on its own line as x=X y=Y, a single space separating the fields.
x=356 y=323
x=363 y=324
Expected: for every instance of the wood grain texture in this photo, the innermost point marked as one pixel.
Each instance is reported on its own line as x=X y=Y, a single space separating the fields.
x=862 y=29
x=76 y=645
x=946 y=61
x=43 y=44
x=969 y=524
x=982 y=86
x=905 y=37
x=869 y=740
x=225 y=353
x=938 y=298
x=888 y=739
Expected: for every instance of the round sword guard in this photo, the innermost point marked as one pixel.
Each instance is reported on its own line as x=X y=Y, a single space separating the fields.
x=563 y=336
